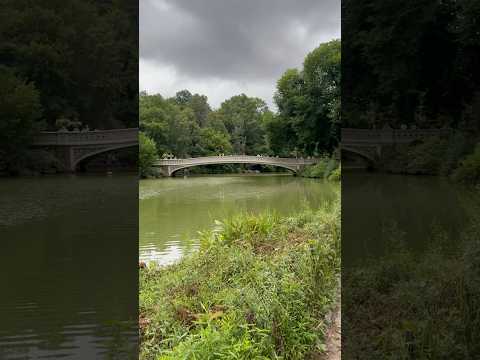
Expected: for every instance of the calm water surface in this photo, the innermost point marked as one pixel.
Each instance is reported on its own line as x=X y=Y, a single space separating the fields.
x=68 y=267
x=173 y=210
x=375 y=205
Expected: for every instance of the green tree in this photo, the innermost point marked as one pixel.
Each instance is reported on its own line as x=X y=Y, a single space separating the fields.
x=183 y=97
x=52 y=43
x=147 y=154
x=153 y=113
x=213 y=142
x=20 y=111
x=308 y=101
x=243 y=119
x=173 y=128
x=321 y=73
x=201 y=109
x=422 y=57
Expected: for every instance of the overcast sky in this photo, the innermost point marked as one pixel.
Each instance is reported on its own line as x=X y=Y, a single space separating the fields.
x=222 y=48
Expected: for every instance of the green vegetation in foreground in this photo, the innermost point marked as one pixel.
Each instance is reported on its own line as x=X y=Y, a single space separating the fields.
x=416 y=306
x=258 y=288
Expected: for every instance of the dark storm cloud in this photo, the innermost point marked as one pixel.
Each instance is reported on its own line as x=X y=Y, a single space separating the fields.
x=234 y=39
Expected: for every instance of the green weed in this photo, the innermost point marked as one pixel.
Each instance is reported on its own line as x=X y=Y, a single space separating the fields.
x=258 y=288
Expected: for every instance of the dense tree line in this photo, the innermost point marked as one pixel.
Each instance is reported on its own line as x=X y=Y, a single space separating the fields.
x=306 y=124
x=74 y=61
x=413 y=63
x=308 y=119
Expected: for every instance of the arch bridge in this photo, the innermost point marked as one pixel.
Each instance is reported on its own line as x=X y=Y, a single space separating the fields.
x=71 y=147
x=368 y=143
x=170 y=166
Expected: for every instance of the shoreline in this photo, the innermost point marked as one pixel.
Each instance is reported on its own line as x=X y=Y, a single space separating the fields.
x=223 y=289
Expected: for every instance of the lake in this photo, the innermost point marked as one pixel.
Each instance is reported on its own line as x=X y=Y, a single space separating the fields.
x=173 y=210
x=374 y=205
x=70 y=245
x=68 y=267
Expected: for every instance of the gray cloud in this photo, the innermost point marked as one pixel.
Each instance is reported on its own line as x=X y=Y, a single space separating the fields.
x=247 y=43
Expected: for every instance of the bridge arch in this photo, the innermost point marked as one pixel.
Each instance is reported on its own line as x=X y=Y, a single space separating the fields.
x=173 y=171
x=362 y=153
x=76 y=162
x=170 y=166
x=369 y=157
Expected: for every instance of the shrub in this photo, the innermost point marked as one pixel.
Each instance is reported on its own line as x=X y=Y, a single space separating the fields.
x=336 y=175
x=147 y=154
x=469 y=169
x=323 y=169
x=427 y=157
x=459 y=145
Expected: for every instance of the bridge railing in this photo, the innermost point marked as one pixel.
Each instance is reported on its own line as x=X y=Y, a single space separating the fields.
x=233 y=158
x=46 y=138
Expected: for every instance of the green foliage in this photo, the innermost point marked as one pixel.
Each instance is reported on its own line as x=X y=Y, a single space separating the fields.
x=459 y=145
x=20 y=111
x=469 y=169
x=172 y=127
x=427 y=156
x=307 y=122
x=258 y=288
x=336 y=174
x=66 y=124
x=243 y=119
x=147 y=154
x=326 y=168
x=186 y=126
x=452 y=156
x=308 y=101
x=409 y=63
x=78 y=54
x=213 y=142
x=424 y=306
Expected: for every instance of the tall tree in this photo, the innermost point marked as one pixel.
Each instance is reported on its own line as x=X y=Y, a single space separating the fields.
x=51 y=43
x=243 y=119
x=426 y=72
x=20 y=113
x=308 y=102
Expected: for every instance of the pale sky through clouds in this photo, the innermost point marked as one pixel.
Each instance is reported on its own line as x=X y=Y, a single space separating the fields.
x=222 y=48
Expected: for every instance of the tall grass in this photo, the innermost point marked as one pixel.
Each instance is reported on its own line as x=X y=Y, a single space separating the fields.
x=258 y=288
x=408 y=305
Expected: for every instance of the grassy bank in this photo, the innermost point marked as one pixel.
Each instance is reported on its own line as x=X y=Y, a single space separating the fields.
x=416 y=305
x=258 y=288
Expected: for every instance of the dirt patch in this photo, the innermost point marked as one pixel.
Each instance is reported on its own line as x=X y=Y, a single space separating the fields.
x=334 y=336
x=143 y=322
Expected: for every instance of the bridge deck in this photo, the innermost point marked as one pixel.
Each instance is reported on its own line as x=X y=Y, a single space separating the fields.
x=234 y=159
